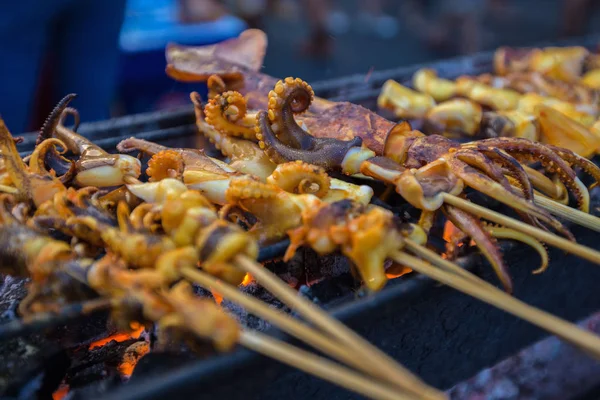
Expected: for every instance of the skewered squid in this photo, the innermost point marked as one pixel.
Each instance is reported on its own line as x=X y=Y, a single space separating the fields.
x=435 y=164
x=530 y=101
x=94 y=166
x=212 y=176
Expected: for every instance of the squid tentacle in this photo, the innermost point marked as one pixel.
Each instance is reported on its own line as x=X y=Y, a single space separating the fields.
x=46 y=153
x=483 y=239
x=50 y=124
x=513 y=167
x=326 y=152
x=551 y=162
x=518 y=173
x=489 y=187
x=500 y=232
x=481 y=163
x=134 y=144
x=227 y=113
x=290 y=97
x=165 y=164
x=576 y=160
x=245 y=156
x=301 y=178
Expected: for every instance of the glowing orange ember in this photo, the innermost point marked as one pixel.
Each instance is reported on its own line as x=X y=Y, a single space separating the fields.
x=137 y=330
x=396 y=271
x=449 y=231
x=132 y=356
x=217 y=296
x=248 y=279
x=61 y=392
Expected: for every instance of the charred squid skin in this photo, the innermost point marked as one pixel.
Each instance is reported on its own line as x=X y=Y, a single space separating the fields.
x=513 y=167
x=290 y=97
x=483 y=239
x=479 y=161
x=326 y=152
x=484 y=184
x=515 y=170
x=550 y=160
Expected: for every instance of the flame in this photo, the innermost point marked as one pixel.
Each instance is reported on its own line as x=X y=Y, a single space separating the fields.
x=136 y=331
x=396 y=271
x=132 y=356
x=61 y=392
x=248 y=279
x=217 y=296
x=449 y=230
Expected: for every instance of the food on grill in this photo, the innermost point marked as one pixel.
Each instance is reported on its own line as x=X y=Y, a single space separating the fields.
x=94 y=166
x=141 y=244
x=548 y=95
x=449 y=166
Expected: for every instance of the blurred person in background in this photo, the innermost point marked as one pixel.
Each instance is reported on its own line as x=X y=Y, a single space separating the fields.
x=80 y=40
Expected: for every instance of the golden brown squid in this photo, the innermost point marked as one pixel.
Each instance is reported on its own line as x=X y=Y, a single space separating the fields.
x=424 y=167
x=94 y=166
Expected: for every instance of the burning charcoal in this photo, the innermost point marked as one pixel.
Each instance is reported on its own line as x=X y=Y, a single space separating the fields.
x=41 y=379
x=156 y=363
x=12 y=291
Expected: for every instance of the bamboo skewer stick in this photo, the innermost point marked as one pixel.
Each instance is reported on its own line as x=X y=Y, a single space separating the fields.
x=319 y=367
x=570 y=214
x=552 y=239
x=485 y=292
x=302 y=360
x=283 y=321
x=369 y=354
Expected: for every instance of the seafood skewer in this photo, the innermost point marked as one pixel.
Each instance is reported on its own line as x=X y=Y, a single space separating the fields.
x=94 y=166
x=368 y=237
x=366 y=162
x=213 y=244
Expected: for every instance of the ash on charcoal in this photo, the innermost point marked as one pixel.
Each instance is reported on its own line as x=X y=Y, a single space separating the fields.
x=318 y=268
x=247 y=319
x=95 y=364
x=39 y=379
x=12 y=291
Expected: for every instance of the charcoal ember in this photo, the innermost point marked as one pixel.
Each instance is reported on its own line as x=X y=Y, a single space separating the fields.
x=12 y=291
x=94 y=389
x=247 y=319
x=292 y=272
x=91 y=365
x=317 y=268
x=40 y=377
x=157 y=363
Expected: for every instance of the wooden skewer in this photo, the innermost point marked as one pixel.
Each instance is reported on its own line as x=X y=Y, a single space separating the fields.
x=303 y=360
x=283 y=321
x=570 y=214
x=8 y=189
x=552 y=239
x=434 y=258
x=485 y=292
x=319 y=366
x=369 y=354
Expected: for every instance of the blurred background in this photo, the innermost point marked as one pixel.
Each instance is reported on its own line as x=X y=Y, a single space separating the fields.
x=111 y=52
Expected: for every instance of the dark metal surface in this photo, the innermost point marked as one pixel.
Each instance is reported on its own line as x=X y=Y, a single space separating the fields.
x=550 y=369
